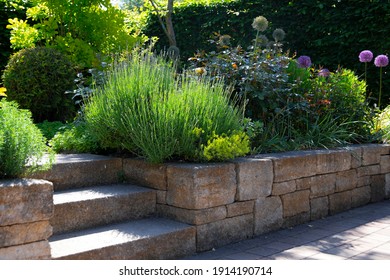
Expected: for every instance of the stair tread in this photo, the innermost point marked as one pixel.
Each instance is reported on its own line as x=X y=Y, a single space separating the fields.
x=96 y=192
x=111 y=235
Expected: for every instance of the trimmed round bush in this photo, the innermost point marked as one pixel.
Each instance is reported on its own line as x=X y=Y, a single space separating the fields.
x=22 y=145
x=37 y=79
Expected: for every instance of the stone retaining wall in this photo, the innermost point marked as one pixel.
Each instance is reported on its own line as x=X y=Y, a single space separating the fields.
x=26 y=206
x=233 y=201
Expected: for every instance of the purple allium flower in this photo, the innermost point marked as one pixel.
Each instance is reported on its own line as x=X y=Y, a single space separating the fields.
x=365 y=56
x=324 y=72
x=304 y=61
x=381 y=60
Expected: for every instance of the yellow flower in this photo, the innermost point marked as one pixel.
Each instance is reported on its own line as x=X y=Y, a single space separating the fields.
x=200 y=71
x=2 y=91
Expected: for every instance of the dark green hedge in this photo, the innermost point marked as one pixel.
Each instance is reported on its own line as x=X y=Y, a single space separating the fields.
x=331 y=32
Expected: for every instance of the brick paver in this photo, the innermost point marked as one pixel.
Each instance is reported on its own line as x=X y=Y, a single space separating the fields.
x=359 y=234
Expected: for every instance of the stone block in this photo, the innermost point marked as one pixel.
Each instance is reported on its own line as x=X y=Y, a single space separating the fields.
x=333 y=161
x=387 y=186
x=240 y=208
x=378 y=188
x=217 y=234
x=81 y=170
x=254 y=178
x=361 y=196
x=298 y=219
x=320 y=185
x=385 y=164
x=319 y=208
x=295 y=203
x=363 y=181
x=25 y=201
x=356 y=155
x=284 y=187
x=268 y=214
x=161 y=197
x=346 y=180
x=24 y=233
x=293 y=165
x=368 y=170
x=339 y=202
x=201 y=186
x=371 y=154
x=31 y=251
x=192 y=217
x=145 y=173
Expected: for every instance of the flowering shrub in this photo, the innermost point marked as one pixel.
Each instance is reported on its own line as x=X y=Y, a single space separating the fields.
x=296 y=106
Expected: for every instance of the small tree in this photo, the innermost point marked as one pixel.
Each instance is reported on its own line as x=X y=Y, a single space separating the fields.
x=81 y=29
x=165 y=19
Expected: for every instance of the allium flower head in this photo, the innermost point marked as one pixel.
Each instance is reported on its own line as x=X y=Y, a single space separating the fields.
x=260 y=23
x=304 y=61
x=324 y=72
x=365 y=56
x=381 y=60
x=278 y=34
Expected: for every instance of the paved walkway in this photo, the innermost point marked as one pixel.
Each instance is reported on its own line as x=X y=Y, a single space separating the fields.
x=361 y=234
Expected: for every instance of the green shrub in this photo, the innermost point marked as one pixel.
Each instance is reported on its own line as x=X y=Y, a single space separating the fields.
x=145 y=110
x=37 y=79
x=49 y=129
x=22 y=146
x=74 y=138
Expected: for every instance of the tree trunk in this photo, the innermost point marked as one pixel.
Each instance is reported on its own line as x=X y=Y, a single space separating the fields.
x=168 y=25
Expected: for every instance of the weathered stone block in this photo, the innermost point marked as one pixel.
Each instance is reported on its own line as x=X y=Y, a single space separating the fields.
x=370 y=154
x=24 y=233
x=284 y=187
x=339 y=202
x=200 y=186
x=364 y=181
x=193 y=217
x=292 y=165
x=80 y=170
x=385 y=164
x=320 y=185
x=254 y=178
x=240 y=208
x=268 y=214
x=145 y=173
x=298 y=219
x=387 y=186
x=223 y=232
x=161 y=197
x=356 y=155
x=333 y=161
x=368 y=170
x=295 y=203
x=378 y=188
x=31 y=251
x=25 y=200
x=361 y=196
x=319 y=208
x=346 y=180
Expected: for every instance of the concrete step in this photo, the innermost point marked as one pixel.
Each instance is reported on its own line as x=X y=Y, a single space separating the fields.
x=86 y=207
x=81 y=170
x=152 y=238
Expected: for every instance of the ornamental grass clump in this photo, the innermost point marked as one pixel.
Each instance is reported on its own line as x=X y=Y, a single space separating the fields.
x=145 y=108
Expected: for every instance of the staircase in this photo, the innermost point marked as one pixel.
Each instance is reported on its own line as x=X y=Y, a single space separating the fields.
x=96 y=216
